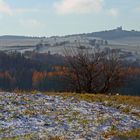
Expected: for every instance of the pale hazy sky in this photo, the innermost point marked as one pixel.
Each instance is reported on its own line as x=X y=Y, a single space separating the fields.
x=60 y=17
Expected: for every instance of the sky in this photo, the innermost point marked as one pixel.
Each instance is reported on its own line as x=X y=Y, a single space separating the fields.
x=63 y=17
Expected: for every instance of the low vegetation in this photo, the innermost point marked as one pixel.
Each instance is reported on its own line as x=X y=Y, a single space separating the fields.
x=32 y=137
x=129 y=135
x=47 y=72
x=124 y=103
x=110 y=100
x=127 y=104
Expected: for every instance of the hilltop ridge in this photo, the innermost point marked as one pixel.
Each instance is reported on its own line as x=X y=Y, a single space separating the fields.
x=119 y=32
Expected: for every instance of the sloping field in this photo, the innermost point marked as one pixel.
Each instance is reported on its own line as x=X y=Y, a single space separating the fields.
x=130 y=48
x=18 y=42
x=134 y=41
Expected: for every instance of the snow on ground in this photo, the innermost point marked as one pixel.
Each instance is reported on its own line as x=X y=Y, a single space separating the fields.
x=55 y=116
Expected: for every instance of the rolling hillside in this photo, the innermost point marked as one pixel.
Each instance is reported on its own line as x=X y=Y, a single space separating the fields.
x=117 y=38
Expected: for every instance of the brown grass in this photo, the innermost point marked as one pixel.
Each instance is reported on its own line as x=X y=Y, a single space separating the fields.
x=133 y=101
x=130 y=135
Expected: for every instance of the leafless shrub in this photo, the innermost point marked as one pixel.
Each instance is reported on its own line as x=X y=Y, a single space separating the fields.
x=93 y=71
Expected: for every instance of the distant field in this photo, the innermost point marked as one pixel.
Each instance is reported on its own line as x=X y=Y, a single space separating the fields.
x=125 y=47
x=134 y=41
x=129 y=44
x=20 y=42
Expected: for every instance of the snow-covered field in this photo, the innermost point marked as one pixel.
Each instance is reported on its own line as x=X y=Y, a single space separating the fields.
x=22 y=114
x=129 y=44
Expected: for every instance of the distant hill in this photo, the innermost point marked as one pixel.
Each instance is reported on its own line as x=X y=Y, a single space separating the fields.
x=107 y=34
x=18 y=37
x=114 y=34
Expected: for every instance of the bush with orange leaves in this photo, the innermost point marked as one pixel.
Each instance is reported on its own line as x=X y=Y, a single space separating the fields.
x=37 y=77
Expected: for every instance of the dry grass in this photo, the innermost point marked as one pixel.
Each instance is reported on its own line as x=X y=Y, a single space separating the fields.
x=130 y=135
x=133 y=101
x=32 y=137
x=134 y=134
x=56 y=138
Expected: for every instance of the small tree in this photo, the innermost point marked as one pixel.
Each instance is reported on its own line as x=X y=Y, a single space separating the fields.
x=93 y=71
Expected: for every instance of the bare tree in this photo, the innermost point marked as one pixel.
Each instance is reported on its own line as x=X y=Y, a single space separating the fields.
x=113 y=74
x=93 y=71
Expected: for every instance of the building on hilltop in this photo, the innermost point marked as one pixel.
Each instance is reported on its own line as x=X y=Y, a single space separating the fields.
x=119 y=28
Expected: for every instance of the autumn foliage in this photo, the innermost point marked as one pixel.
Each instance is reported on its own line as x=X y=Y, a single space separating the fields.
x=101 y=73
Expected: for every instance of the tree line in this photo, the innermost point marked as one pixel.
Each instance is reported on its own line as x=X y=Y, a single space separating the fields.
x=77 y=71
